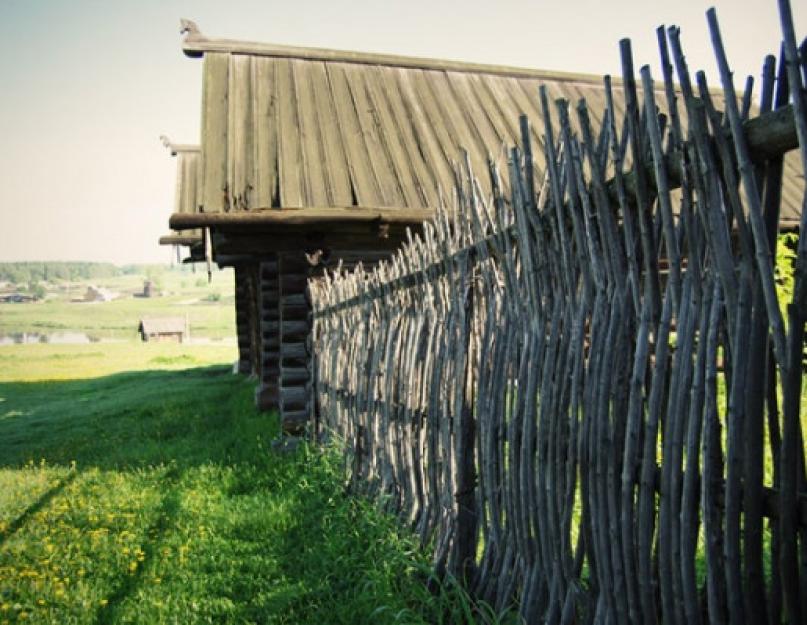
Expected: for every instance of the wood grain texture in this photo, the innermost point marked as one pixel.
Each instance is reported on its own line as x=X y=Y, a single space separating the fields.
x=555 y=382
x=214 y=132
x=306 y=131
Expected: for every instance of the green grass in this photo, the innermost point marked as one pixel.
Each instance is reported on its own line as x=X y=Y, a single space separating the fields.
x=153 y=496
x=38 y=362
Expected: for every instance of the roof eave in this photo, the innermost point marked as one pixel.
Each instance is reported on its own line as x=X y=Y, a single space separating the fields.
x=302 y=217
x=173 y=239
x=176 y=148
x=195 y=45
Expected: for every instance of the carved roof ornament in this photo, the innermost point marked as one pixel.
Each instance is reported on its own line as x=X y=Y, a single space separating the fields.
x=167 y=143
x=190 y=30
x=175 y=148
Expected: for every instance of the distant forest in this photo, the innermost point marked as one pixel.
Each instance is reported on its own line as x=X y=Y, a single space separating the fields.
x=33 y=272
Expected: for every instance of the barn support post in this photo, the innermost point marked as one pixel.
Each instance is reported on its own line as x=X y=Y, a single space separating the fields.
x=294 y=334
x=267 y=394
x=242 y=323
x=255 y=319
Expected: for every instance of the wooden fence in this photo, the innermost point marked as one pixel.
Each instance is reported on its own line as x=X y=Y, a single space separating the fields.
x=586 y=401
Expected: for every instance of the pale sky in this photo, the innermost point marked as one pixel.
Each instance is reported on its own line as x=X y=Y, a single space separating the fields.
x=88 y=86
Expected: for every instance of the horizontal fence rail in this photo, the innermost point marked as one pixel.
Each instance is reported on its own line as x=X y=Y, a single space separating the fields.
x=586 y=397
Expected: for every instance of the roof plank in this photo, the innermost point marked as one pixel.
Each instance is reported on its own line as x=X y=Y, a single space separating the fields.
x=264 y=128
x=364 y=185
x=372 y=135
x=424 y=177
x=455 y=117
x=214 y=132
x=290 y=158
x=337 y=173
x=392 y=138
x=310 y=137
x=424 y=132
x=448 y=140
x=239 y=135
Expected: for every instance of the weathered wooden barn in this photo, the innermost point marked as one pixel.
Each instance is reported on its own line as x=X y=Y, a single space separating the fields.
x=310 y=155
x=185 y=196
x=98 y=294
x=163 y=329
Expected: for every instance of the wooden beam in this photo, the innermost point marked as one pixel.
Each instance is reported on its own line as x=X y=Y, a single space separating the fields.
x=176 y=148
x=768 y=135
x=196 y=44
x=257 y=244
x=178 y=239
x=323 y=217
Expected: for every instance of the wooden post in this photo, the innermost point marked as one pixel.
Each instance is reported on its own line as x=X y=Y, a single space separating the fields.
x=467 y=521
x=294 y=330
x=242 y=320
x=254 y=321
x=266 y=396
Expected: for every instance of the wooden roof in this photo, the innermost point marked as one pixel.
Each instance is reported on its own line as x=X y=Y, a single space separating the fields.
x=162 y=325
x=330 y=132
x=186 y=196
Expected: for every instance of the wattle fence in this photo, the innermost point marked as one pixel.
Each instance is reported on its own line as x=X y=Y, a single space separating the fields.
x=586 y=397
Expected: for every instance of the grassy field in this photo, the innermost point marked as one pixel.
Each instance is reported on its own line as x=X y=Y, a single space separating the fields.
x=138 y=491
x=39 y=362
x=209 y=307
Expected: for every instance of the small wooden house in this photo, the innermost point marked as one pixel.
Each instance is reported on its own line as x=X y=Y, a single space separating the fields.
x=98 y=294
x=16 y=298
x=163 y=329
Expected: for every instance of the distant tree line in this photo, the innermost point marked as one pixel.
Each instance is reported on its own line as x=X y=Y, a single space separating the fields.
x=26 y=273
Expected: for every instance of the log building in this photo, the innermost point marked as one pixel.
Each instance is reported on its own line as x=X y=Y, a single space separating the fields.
x=309 y=156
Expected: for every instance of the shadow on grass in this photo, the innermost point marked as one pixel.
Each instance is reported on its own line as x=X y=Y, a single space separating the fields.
x=286 y=544
x=133 y=420
x=164 y=519
x=36 y=506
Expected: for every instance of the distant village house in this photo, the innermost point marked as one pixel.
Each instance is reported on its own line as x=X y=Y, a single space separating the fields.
x=97 y=294
x=16 y=298
x=164 y=329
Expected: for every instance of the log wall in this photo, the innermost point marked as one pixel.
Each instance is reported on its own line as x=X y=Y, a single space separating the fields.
x=252 y=288
x=294 y=329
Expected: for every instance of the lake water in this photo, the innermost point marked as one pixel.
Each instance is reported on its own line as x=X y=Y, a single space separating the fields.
x=67 y=337
x=71 y=337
